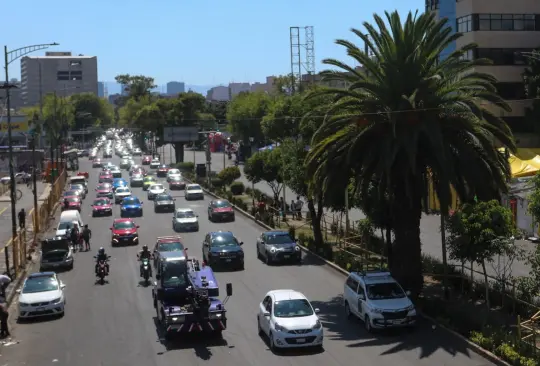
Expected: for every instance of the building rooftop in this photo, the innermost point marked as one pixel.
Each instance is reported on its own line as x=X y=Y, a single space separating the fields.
x=59 y=57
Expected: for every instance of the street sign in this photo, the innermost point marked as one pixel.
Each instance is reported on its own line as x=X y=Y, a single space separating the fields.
x=180 y=134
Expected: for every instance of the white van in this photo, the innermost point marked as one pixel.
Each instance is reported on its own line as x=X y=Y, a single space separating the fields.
x=67 y=219
x=79 y=179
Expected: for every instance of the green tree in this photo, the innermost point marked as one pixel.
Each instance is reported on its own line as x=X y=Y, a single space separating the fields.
x=218 y=109
x=534 y=198
x=245 y=113
x=229 y=175
x=266 y=166
x=282 y=119
x=395 y=125
x=137 y=86
x=90 y=110
x=478 y=232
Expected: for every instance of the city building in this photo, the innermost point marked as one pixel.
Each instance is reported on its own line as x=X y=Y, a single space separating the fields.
x=219 y=93
x=267 y=87
x=15 y=99
x=101 y=89
x=175 y=87
x=237 y=88
x=58 y=72
x=503 y=31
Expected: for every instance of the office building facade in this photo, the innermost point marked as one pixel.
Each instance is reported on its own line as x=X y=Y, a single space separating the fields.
x=101 y=89
x=503 y=32
x=175 y=87
x=59 y=73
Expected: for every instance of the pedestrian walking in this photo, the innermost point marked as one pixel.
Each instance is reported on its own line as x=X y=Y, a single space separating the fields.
x=299 y=205
x=87 y=234
x=22 y=219
x=4 y=314
x=5 y=280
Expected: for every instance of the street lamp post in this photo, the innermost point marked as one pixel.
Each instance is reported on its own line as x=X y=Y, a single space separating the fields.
x=9 y=57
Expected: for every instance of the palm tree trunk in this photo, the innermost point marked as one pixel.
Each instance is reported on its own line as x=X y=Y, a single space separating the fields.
x=406 y=249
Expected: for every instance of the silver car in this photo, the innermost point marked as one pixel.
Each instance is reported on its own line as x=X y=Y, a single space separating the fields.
x=125 y=164
x=120 y=193
x=154 y=190
x=194 y=192
x=278 y=246
x=136 y=180
x=184 y=219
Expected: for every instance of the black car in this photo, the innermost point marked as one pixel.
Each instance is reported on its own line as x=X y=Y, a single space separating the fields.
x=164 y=203
x=222 y=249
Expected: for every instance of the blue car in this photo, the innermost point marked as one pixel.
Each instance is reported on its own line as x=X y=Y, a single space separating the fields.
x=119 y=182
x=131 y=206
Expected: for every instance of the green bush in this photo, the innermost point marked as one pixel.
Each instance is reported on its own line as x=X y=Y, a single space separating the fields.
x=237 y=188
x=217 y=183
x=292 y=232
x=229 y=175
x=186 y=166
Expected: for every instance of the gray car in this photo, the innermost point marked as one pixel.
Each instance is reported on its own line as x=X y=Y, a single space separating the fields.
x=164 y=203
x=278 y=246
x=184 y=219
x=136 y=180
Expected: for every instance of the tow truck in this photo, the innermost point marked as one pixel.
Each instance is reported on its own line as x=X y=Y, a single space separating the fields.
x=185 y=296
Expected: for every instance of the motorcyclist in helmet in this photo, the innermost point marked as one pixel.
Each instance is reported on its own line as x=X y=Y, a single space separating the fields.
x=144 y=253
x=102 y=256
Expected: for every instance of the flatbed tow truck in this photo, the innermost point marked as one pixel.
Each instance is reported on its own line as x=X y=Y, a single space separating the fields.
x=185 y=296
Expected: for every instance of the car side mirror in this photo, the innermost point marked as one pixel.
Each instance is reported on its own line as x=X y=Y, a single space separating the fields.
x=266 y=314
x=241 y=243
x=317 y=310
x=362 y=297
x=205 y=245
x=229 y=289
x=18 y=291
x=159 y=291
x=62 y=286
x=138 y=226
x=262 y=242
x=408 y=293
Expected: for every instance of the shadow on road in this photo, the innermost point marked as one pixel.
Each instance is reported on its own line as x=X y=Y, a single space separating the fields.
x=291 y=352
x=424 y=337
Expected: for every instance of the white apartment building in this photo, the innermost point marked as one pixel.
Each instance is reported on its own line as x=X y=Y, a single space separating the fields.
x=219 y=93
x=58 y=72
x=503 y=31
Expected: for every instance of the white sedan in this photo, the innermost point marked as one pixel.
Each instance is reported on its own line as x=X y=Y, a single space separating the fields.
x=194 y=192
x=41 y=295
x=173 y=174
x=154 y=190
x=185 y=219
x=120 y=193
x=287 y=318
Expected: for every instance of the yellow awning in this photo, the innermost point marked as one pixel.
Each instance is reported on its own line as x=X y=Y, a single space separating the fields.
x=521 y=168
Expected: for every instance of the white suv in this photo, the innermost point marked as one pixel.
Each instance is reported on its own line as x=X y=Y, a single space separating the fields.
x=377 y=299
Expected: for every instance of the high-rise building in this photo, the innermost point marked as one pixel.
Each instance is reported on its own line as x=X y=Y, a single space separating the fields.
x=237 y=88
x=219 y=93
x=175 y=87
x=58 y=72
x=504 y=32
x=101 y=89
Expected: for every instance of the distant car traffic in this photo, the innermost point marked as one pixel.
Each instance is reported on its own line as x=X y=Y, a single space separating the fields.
x=164 y=202
x=101 y=207
x=124 y=231
x=131 y=206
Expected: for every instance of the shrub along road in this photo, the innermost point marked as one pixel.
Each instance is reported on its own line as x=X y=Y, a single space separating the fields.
x=114 y=324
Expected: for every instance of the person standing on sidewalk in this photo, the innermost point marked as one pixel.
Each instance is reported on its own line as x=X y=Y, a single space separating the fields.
x=87 y=234
x=22 y=219
x=4 y=314
x=5 y=280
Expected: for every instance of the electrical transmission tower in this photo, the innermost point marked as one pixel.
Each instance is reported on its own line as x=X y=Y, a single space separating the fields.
x=302 y=55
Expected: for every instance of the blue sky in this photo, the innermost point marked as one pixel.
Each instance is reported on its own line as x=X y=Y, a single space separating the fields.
x=205 y=42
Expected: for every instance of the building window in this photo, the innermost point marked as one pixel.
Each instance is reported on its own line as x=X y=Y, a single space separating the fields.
x=62 y=75
x=76 y=75
x=464 y=24
x=503 y=56
x=469 y=55
x=432 y=5
x=511 y=91
x=507 y=22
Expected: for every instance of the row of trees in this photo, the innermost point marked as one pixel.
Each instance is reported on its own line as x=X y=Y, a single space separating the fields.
x=405 y=120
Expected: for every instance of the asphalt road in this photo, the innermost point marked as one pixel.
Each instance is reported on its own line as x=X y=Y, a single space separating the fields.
x=429 y=225
x=114 y=325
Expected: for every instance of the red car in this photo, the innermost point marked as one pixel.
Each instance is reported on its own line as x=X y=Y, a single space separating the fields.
x=97 y=163
x=105 y=178
x=177 y=183
x=162 y=170
x=74 y=203
x=146 y=160
x=104 y=190
x=124 y=231
x=83 y=174
x=220 y=210
x=73 y=193
x=101 y=207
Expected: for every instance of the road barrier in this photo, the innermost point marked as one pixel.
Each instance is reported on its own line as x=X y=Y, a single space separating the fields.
x=40 y=221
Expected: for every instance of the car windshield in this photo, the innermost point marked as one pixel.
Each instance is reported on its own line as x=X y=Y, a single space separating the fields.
x=276 y=239
x=131 y=201
x=77 y=187
x=124 y=225
x=383 y=291
x=136 y=176
x=149 y=179
x=224 y=241
x=222 y=204
x=185 y=215
x=156 y=187
x=171 y=247
x=101 y=202
x=174 y=171
x=174 y=274
x=176 y=179
x=104 y=186
x=163 y=197
x=292 y=308
x=65 y=225
x=194 y=188
x=40 y=284
x=71 y=193
x=73 y=199
x=122 y=190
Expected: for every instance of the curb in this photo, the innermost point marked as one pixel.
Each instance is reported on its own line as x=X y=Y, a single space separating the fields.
x=476 y=348
x=16 y=285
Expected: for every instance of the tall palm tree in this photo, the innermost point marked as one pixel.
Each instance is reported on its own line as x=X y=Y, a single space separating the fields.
x=411 y=116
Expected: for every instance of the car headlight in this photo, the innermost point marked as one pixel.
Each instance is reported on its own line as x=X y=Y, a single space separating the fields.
x=215 y=315
x=410 y=307
x=272 y=250
x=23 y=304
x=297 y=248
x=179 y=319
x=56 y=301
x=122 y=208
x=376 y=310
x=280 y=328
x=317 y=325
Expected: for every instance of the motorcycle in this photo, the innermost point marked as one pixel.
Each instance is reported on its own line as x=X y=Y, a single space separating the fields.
x=146 y=269
x=102 y=270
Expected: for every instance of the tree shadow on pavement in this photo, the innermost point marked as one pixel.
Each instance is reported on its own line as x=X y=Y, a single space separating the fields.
x=425 y=337
x=311 y=260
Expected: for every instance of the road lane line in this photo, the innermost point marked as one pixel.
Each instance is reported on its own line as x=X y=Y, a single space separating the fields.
x=3 y=210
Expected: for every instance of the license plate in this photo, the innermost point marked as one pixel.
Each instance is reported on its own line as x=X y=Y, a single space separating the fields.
x=398 y=321
x=300 y=340
x=125 y=238
x=55 y=264
x=286 y=256
x=41 y=308
x=228 y=260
